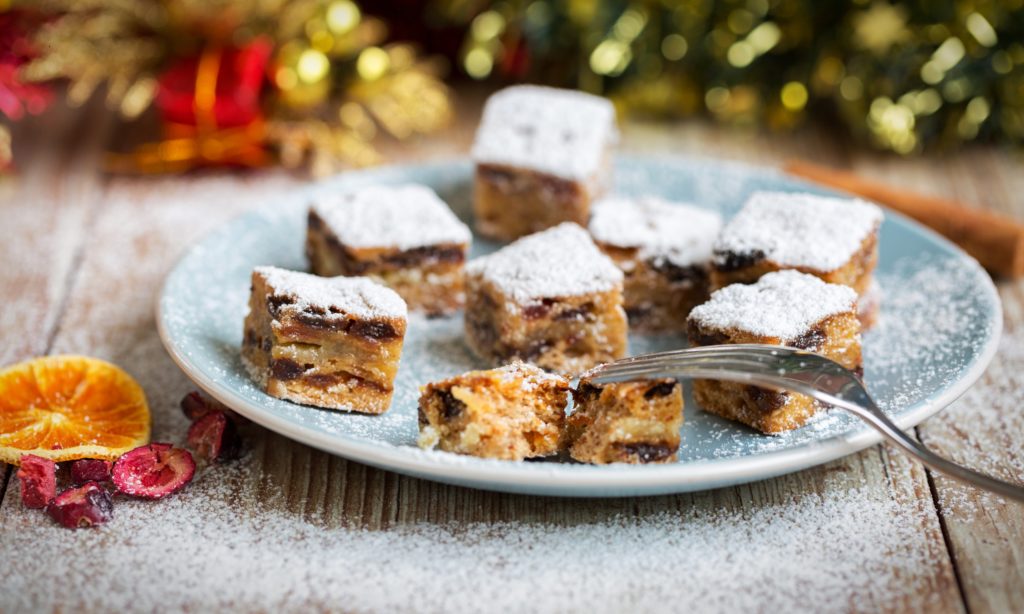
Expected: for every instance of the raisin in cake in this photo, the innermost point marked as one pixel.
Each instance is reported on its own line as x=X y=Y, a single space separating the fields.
x=835 y=239
x=551 y=299
x=329 y=342
x=664 y=250
x=511 y=413
x=782 y=308
x=542 y=156
x=402 y=236
x=634 y=422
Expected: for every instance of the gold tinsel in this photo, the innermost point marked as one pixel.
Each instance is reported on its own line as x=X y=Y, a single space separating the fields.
x=337 y=87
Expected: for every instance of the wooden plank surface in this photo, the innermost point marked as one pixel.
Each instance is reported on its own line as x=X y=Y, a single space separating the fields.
x=143 y=225
x=45 y=211
x=985 y=428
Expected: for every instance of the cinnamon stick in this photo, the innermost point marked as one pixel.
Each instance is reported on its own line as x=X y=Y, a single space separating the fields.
x=996 y=241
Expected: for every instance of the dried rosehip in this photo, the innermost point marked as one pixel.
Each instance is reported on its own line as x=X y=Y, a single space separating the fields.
x=153 y=471
x=85 y=506
x=38 y=478
x=90 y=470
x=215 y=438
x=195 y=405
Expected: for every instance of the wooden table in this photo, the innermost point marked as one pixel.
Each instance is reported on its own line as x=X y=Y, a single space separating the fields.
x=84 y=255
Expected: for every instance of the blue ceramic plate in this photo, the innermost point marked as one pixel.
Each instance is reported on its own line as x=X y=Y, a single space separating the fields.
x=939 y=328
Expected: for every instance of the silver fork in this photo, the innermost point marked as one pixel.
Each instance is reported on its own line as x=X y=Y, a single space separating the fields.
x=800 y=371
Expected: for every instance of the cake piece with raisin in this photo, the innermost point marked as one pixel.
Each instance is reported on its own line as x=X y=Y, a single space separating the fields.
x=330 y=342
x=542 y=156
x=634 y=422
x=511 y=413
x=664 y=251
x=403 y=236
x=551 y=299
x=782 y=308
x=835 y=239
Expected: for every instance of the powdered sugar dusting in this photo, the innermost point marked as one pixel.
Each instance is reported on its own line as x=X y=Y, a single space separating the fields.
x=800 y=230
x=563 y=133
x=358 y=296
x=982 y=430
x=528 y=376
x=783 y=304
x=403 y=217
x=681 y=234
x=559 y=261
x=216 y=545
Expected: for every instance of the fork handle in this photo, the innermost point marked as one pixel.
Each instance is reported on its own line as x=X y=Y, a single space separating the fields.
x=877 y=419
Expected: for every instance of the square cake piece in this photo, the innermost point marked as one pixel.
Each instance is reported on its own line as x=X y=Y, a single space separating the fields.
x=551 y=299
x=403 y=236
x=511 y=413
x=835 y=239
x=329 y=342
x=782 y=308
x=634 y=422
x=664 y=251
x=542 y=155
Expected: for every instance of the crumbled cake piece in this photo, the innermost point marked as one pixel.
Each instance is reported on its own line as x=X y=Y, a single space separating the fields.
x=782 y=308
x=835 y=239
x=511 y=413
x=664 y=250
x=403 y=236
x=330 y=342
x=634 y=422
x=542 y=156
x=551 y=299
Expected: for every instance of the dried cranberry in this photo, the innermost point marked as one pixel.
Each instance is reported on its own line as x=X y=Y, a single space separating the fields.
x=90 y=470
x=38 y=478
x=153 y=471
x=214 y=438
x=84 y=506
x=195 y=405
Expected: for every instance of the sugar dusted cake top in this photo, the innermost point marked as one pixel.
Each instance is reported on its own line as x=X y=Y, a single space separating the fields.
x=681 y=234
x=559 y=261
x=783 y=304
x=558 y=132
x=337 y=296
x=800 y=230
x=402 y=216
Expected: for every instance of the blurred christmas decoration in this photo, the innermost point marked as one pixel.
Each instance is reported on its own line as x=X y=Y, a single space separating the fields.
x=903 y=75
x=240 y=82
x=17 y=98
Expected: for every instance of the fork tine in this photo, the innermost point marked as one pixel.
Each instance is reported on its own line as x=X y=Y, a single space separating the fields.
x=683 y=360
x=676 y=363
x=755 y=351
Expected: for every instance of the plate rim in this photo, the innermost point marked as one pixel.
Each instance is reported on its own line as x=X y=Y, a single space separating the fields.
x=572 y=480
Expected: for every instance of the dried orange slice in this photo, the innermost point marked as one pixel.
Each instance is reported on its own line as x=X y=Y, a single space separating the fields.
x=69 y=407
